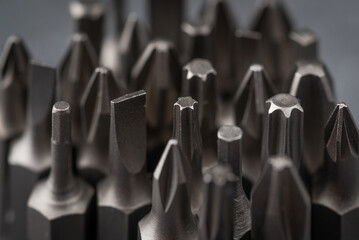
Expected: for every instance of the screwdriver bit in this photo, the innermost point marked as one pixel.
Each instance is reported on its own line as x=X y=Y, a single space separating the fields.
x=217 y=13
x=75 y=71
x=280 y=203
x=187 y=132
x=303 y=46
x=124 y=197
x=335 y=192
x=61 y=206
x=88 y=18
x=166 y=18
x=14 y=67
x=283 y=130
x=199 y=81
x=217 y=211
x=170 y=217
x=30 y=155
x=158 y=72
x=250 y=111
x=93 y=159
x=312 y=84
x=230 y=152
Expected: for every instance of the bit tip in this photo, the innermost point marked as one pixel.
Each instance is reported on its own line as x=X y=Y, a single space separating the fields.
x=200 y=68
x=61 y=122
x=230 y=133
x=285 y=103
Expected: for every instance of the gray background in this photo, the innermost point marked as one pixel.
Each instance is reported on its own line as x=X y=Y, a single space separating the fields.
x=46 y=25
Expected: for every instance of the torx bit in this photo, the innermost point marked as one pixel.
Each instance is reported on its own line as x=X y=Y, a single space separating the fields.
x=218 y=15
x=30 y=155
x=158 y=72
x=187 y=132
x=61 y=206
x=199 y=81
x=217 y=211
x=335 y=200
x=95 y=108
x=312 y=84
x=75 y=72
x=280 y=203
x=88 y=18
x=171 y=217
x=283 y=130
x=230 y=152
x=166 y=19
x=124 y=197
x=250 y=111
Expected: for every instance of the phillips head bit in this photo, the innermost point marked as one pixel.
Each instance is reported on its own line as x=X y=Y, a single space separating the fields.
x=30 y=154
x=217 y=211
x=61 y=206
x=88 y=18
x=312 y=84
x=95 y=115
x=171 y=216
x=124 y=196
x=335 y=200
x=280 y=203
x=199 y=81
x=283 y=129
x=230 y=152
x=250 y=111
x=75 y=71
x=187 y=132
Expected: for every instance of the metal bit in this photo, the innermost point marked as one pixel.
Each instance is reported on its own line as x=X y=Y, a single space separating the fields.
x=166 y=18
x=250 y=112
x=230 y=152
x=312 y=84
x=124 y=197
x=30 y=156
x=199 y=81
x=187 y=132
x=217 y=211
x=283 y=130
x=335 y=191
x=280 y=203
x=61 y=206
x=218 y=15
x=95 y=115
x=171 y=216
x=75 y=72
x=88 y=18
x=158 y=72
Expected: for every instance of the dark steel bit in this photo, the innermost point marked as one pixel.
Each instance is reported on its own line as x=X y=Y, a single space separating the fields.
x=230 y=152
x=199 y=81
x=187 y=132
x=171 y=216
x=280 y=203
x=283 y=130
x=158 y=72
x=95 y=108
x=218 y=15
x=166 y=18
x=312 y=84
x=250 y=111
x=61 y=206
x=14 y=68
x=88 y=18
x=124 y=197
x=75 y=72
x=30 y=155
x=217 y=210
x=335 y=200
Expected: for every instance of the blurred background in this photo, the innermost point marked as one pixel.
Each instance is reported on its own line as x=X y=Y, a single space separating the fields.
x=45 y=25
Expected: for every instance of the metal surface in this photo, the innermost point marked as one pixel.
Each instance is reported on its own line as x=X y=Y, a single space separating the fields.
x=61 y=207
x=124 y=197
x=280 y=204
x=335 y=192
